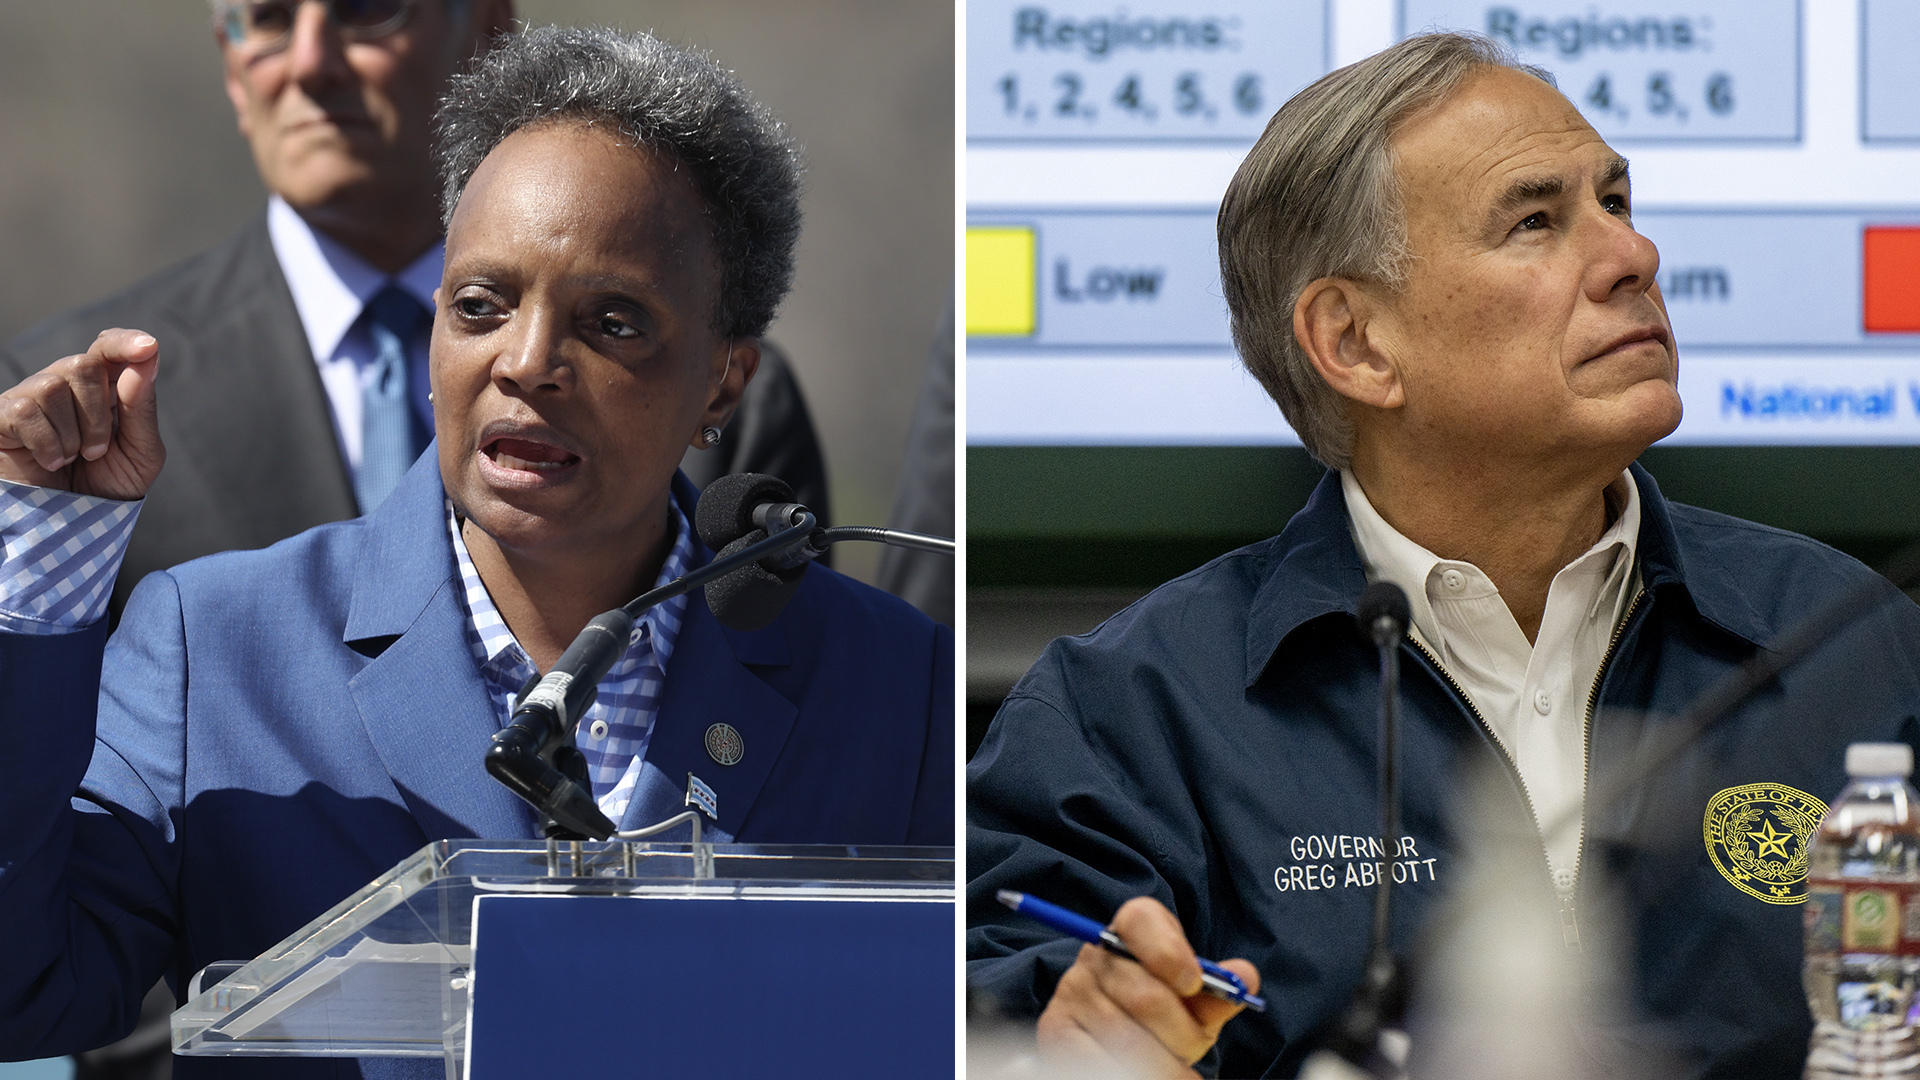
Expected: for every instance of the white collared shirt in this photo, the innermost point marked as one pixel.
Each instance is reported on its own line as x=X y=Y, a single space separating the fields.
x=1533 y=696
x=331 y=286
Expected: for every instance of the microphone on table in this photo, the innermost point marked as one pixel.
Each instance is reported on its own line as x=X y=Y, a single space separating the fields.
x=1366 y=1037
x=762 y=540
x=1356 y=1047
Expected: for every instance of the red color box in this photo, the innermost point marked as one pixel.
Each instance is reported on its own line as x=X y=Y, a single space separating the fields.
x=1890 y=280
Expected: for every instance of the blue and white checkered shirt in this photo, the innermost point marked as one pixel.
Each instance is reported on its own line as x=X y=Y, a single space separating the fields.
x=61 y=554
x=613 y=733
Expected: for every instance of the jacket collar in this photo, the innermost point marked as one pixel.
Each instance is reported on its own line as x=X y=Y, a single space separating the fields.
x=1314 y=570
x=1671 y=561
x=421 y=697
x=401 y=568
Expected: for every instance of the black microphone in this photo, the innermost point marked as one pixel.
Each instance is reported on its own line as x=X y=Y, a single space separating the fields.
x=1384 y=612
x=725 y=512
x=741 y=509
x=753 y=596
x=736 y=511
x=524 y=754
x=1381 y=999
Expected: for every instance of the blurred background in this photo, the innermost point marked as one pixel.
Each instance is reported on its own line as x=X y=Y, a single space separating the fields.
x=120 y=157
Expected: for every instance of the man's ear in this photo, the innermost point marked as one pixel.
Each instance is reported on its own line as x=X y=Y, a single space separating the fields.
x=737 y=360
x=1334 y=323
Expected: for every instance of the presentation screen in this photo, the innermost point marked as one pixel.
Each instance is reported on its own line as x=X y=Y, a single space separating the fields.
x=1775 y=156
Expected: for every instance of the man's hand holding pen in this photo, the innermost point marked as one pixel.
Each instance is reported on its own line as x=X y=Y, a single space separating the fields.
x=1152 y=1014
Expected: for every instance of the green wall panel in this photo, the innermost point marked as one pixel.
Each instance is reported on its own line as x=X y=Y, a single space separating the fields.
x=1093 y=516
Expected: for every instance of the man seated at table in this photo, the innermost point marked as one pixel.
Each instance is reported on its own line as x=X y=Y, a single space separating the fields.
x=1431 y=265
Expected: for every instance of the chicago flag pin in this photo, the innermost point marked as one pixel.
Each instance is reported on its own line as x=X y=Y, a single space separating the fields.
x=702 y=796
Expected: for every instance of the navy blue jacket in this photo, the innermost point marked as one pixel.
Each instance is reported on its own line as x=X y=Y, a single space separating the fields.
x=276 y=728
x=1215 y=746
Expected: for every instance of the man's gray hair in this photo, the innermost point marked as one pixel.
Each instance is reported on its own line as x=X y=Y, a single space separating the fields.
x=1317 y=198
x=671 y=100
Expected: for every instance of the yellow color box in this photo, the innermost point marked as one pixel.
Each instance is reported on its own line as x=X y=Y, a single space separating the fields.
x=1000 y=283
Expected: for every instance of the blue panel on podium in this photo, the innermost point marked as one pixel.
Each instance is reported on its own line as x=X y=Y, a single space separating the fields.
x=659 y=986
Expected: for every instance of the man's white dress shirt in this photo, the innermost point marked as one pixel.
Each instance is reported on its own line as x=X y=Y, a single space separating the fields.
x=331 y=287
x=1533 y=696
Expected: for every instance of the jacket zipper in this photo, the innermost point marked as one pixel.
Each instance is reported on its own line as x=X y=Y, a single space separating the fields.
x=1570 y=928
x=1506 y=756
x=1569 y=922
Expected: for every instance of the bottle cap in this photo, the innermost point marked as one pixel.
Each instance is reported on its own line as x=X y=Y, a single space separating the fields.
x=1879 y=759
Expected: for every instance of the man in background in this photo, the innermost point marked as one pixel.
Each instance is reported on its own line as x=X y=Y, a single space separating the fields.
x=294 y=353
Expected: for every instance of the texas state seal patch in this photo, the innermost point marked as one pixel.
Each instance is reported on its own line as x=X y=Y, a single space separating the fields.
x=1757 y=837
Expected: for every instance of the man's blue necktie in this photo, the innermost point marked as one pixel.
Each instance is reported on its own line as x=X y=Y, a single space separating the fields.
x=389 y=434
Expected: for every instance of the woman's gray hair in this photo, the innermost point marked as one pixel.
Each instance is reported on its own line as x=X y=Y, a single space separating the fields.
x=1317 y=198
x=672 y=100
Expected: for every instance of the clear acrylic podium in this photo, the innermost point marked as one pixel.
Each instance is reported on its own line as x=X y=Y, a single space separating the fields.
x=498 y=939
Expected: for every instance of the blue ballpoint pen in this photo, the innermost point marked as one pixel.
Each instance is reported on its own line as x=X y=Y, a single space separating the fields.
x=1214 y=979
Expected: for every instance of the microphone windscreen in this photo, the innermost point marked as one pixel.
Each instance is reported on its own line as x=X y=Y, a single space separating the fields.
x=752 y=596
x=725 y=511
x=1384 y=599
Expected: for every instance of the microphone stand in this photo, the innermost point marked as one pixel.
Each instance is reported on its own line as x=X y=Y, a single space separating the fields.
x=895 y=537
x=1381 y=996
x=1380 y=1001
x=534 y=755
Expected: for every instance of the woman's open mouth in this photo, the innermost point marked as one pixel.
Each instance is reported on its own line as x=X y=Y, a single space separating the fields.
x=525 y=459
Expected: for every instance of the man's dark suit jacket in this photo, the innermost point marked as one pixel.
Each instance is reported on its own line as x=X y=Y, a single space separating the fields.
x=252 y=457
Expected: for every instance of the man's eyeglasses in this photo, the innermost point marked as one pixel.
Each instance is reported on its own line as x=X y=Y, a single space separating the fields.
x=264 y=26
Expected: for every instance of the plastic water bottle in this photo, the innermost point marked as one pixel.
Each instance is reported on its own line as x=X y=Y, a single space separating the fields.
x=1863 y=922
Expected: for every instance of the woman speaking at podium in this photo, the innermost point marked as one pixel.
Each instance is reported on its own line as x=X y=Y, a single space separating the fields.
x=267 y=731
